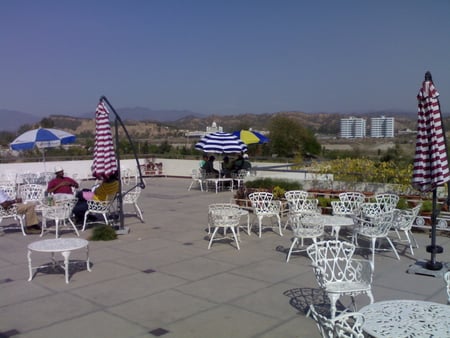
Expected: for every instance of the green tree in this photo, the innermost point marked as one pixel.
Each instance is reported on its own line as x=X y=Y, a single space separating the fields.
x=288 y=138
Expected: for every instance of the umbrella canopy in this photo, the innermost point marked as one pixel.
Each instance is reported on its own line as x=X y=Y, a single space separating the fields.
x=42 y=138
x=251 y=137
x=221 y=143
x=430 y=160
x=105 y=161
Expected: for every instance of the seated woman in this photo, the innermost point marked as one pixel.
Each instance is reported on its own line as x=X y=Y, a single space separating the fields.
x=227 y=167
x=105 y=191
x=209 y=168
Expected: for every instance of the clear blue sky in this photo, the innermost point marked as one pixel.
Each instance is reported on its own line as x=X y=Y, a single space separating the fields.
x=222 y=57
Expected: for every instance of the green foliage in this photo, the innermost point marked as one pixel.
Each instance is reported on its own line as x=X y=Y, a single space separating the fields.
x=271 y=183
x=402 y=203
x=288 y=138
x=103 y=232
x=278 y=192
x=427 y=206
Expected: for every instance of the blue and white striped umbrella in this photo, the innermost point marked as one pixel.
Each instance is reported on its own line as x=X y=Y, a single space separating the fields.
x=42 y=138
x=221 y=143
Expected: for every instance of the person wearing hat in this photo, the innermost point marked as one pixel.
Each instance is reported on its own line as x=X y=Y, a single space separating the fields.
x=246 y=165
x=61 y=184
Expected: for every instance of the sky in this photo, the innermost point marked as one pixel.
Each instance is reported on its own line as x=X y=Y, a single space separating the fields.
x=222 y=57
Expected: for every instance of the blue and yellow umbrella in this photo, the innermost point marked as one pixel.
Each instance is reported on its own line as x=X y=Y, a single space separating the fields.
x=251 y=137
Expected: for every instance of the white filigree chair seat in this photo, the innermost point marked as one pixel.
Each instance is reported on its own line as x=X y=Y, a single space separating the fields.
x=264 y=206
x=98 y=208
x=235 y=207
x=131 y=198
x=374 y=228
x=11 y=212
x=296 y=204
x=198 y=177
x=388 y=201
x=403 y=221
x=346 y=325
x=224 y=218
x=32 y=193
x=338 y=273
x=60 y=212
x=447 y=281
x=305 y=227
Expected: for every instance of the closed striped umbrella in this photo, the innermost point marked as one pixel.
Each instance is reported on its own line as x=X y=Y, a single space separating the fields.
x=221 y=143
x=430 y=161
x=105 y=161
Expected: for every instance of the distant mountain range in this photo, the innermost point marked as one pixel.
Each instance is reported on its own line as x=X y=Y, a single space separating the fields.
x=13 y=120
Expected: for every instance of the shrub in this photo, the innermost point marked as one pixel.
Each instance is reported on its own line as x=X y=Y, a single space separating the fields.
x=103 y=232
x=278 y=193
x=427 y=206
x=270 y=183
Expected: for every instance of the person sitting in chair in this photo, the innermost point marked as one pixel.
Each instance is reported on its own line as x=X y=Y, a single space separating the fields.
x=61 y=186
x=209 y=168
x=31 y=219
x=105 y=191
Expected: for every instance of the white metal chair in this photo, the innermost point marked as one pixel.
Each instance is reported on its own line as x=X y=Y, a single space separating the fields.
x=447 y=281
x=403 y=221
x=295 y=200
x=374 y=228
x=239 y=177
x=388 y=201
x=224 y=218
x=264 y=206
x=60 y=212
x=305 y=227
x=11 y=212
x=198 y=177
x=99 y=208
x=348 y=204
x=233 y=206
x=131 y=198
x=32 y=193
x=338 y=273
x=346 y=325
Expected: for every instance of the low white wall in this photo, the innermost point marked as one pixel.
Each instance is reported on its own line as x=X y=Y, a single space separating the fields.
x=171 y=167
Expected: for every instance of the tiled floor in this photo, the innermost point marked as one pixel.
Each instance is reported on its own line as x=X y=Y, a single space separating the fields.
x=161 y=281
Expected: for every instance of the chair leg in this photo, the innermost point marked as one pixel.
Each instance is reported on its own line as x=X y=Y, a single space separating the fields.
x=86 y=214
x=212 y=237
x=74 y=227
x=373 y=251
x=294 y=243
x=235 y=237
x=138 y=212
x=393 y=247
x=279 y=224
x=416 y=245
x=333 y=300
x=260 y=226
x=56 y=227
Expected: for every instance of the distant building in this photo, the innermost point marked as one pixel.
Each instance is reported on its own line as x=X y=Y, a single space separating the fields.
x=209 y=129
x=382 y=126
x=353 y=127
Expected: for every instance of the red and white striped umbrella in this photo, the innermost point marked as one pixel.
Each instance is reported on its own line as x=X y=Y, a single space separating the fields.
x=105 y=161
x=430 y=161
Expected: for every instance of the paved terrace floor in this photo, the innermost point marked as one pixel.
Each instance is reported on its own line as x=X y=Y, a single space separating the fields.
x=160 y=279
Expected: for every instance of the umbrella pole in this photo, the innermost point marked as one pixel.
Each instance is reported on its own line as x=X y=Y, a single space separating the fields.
x=434 y=249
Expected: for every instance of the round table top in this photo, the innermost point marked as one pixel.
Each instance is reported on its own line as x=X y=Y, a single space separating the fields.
x=406 y=318
x=58 y=244
x=337 y=220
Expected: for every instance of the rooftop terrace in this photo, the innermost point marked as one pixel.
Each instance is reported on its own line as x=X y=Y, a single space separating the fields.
x=160 y=279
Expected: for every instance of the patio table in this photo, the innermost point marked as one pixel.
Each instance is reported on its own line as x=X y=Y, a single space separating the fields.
x=406 y=318
x=336 y=222
x=220 y=183
x=64 y=246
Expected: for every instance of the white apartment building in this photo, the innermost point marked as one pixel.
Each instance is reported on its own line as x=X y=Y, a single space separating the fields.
x=382 y=126
x=353 y=127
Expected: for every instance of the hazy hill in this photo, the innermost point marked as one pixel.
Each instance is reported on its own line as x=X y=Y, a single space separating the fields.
x=12 y=120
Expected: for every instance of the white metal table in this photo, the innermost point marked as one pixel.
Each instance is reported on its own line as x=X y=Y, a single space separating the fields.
x=406 y=318
x=220 y=182
x=63 y=245
x=337 y=221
